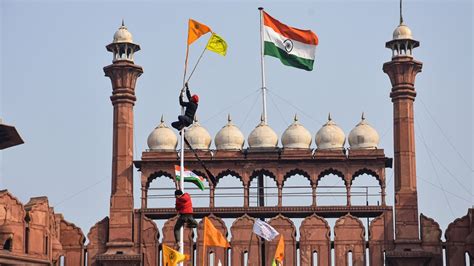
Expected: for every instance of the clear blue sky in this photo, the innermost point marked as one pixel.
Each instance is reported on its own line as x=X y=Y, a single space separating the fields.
x=54 y=91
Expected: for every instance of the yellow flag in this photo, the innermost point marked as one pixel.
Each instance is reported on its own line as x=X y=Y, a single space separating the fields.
x=172 y=257
x=217 y=44
x=196 y=30
x=280 y=250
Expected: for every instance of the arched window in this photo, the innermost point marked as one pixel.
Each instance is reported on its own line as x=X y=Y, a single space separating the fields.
x=229 y=191
x=161 y=193
x=269 y=190
x=315 y=258
x=297 y=191
x=8 y=245
x=331 y=190
x=365 y=190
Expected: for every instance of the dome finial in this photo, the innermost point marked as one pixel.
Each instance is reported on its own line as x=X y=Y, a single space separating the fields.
x=363 y=116
x=196 y=119
x=162 y=119
x=295 y=118
x=229 y=119
x=401 y=16
x=329 y=116
x=123 y=22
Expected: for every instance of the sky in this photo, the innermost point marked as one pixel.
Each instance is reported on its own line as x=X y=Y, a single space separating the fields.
x=53 y=88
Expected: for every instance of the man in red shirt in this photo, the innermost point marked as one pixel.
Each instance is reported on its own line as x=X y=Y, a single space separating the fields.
x=184 y=207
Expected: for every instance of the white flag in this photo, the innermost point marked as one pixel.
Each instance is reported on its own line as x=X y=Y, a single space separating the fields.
x=264 y=230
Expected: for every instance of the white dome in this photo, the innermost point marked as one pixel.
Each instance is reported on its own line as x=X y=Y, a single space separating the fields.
x=330 y=136
x=402 y=32
x=229 y=137
x=296 y=136
x=122 y=35
x=263 y=136
x=162 y=138
x=198 y=137
x=363 y=136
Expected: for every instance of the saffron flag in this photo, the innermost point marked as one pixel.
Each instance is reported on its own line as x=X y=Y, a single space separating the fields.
x=196 y=30
x=217 y=44
x=172 y=257
x=189 y=176
x=280 y=251
x=264 y=230
x=294 y=47
x=212 y=236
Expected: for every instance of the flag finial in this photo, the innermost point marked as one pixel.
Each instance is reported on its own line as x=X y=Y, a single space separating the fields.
x=329 y=116
x=162 y=119
x=401 y=16
x=363 y=116
x=123 y=22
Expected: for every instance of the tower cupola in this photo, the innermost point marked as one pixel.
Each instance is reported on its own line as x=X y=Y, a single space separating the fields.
x=122 y=45
x=402 y=43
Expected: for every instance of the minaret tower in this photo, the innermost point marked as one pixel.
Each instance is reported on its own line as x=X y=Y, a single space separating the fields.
x=402 y=70
x=123 y=73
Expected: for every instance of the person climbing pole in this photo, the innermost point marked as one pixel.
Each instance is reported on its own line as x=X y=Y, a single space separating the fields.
x=191 y=106
x=184 y=207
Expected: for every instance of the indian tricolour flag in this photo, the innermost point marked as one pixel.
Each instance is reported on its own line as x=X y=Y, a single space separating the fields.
x=189 y=176
x=294 y=47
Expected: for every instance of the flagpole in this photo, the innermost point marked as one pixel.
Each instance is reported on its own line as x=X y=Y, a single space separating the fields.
x=264 y=88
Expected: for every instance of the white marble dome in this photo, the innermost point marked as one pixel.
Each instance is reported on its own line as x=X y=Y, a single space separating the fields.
x=162 y=138
x=296 y=136
x=402 y=32
x=122 y=35
x=229 y=137
x=330 y=136
x=263 y=136
x=363 y=136
x=198 y=137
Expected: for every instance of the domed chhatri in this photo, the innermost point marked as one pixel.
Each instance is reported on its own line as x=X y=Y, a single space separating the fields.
x=330 y=136
x=122 y=46
x=122 y=35
x=296 y=136
x=198 y=136
x=263 y=136
x=162 y=138
x=229 y=137
x=363 y=136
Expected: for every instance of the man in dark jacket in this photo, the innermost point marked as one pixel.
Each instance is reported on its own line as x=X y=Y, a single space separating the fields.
x=191 y=106
x=184 y=207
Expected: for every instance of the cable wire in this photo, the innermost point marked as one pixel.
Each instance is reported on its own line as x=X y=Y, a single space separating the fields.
x=445 y=136
x=436 y=173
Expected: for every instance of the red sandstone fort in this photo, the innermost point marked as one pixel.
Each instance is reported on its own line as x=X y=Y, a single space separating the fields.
x=33 y=234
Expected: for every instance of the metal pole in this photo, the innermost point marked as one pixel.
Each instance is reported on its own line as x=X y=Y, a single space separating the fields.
x=181 y=186
x=264 y=89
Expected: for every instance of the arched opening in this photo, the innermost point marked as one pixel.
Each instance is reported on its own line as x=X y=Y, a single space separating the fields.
x=349 y=258
x=27 y=233
x=297 y=191
x=266 y=193
x=365 y=190
x=331 y=190
x=212 y=258
x=229 y=191
x=8 y=245
x=161 y=193
x=315 y=258
x=245 y=258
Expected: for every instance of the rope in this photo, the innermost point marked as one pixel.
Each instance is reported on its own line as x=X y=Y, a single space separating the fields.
x=436 y=173
x=296 y=107
x=446 y=137
x=230 y=106
x=248 y=113
x=279 y=111
x=80 y=191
